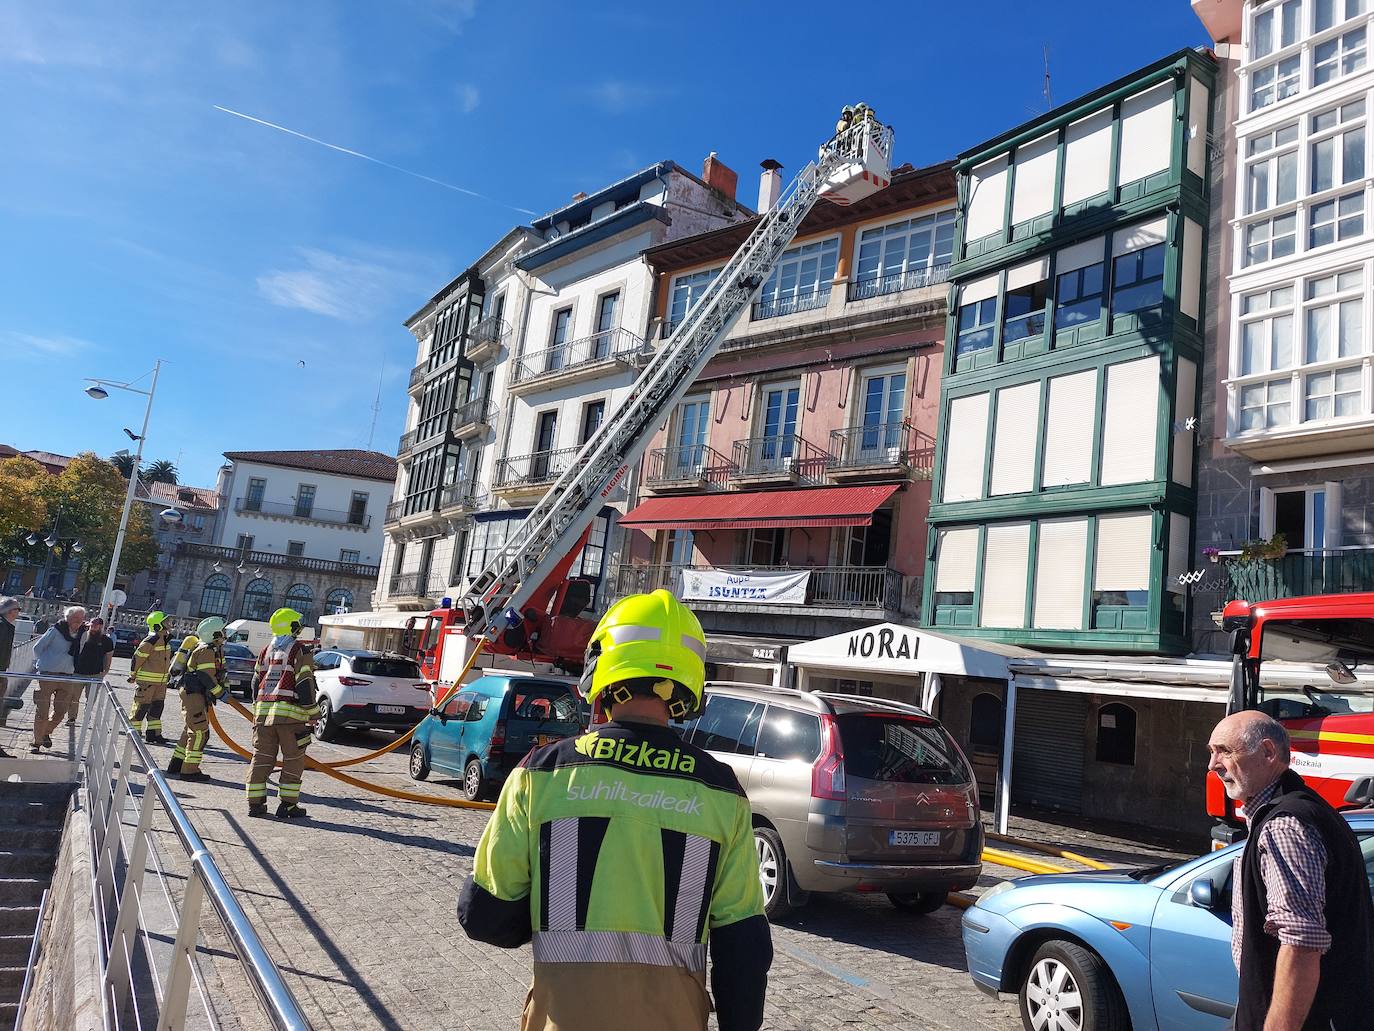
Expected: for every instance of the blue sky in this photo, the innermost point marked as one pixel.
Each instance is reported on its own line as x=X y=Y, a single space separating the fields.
x=138 y=222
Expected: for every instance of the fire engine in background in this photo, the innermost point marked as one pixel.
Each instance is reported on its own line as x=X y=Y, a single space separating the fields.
x=1332 y=730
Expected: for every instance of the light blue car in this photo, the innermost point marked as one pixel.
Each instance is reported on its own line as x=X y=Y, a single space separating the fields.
x=1148 y=951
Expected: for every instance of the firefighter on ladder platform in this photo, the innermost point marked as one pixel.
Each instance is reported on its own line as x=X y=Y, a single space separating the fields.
x=148 y=673
x=282 y=716
x=202 y=683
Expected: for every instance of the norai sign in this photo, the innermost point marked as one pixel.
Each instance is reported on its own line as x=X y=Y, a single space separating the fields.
x=883 y=643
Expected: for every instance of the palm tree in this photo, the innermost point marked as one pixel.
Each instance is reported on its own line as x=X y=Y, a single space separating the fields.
x=124 y=462
x=161 y=471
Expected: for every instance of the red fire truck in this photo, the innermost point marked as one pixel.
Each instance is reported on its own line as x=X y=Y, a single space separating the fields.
x=1331 y=724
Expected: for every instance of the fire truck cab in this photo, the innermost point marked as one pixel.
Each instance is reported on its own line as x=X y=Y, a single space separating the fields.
x=1330 y=720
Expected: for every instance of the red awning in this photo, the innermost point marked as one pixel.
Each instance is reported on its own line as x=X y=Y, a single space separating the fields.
x=762 y=509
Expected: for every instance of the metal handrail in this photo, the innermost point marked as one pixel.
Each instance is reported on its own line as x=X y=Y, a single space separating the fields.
x=886 y=443
x=276 y=560
x=536 y=468
x=896 y=282
x=463 y=496
x=489 y=330
x=610 y=345
x=686 y=463
x=115 y=744
x=770 y=308
x=478 y=411
x=295 y=510
x=774 y=455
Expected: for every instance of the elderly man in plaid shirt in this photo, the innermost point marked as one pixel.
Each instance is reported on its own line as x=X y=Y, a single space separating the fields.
x=1302 y=933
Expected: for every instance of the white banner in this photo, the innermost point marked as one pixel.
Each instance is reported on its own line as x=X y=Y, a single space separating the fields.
x=772 y=587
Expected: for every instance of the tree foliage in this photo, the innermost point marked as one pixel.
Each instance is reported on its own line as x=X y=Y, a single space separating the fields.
x=124 y=462
x=23 y=503
x=161 y=471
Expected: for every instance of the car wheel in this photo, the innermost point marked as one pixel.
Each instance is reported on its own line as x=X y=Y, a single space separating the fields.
x=1069 y=988
x=419 y=765
x=326 y=729
x=921 y=902
x=474 y=784
x=772 y=872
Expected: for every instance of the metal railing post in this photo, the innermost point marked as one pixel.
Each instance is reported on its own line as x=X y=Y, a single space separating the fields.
x=173 y=1015
x=105 y=873
x=130 y=900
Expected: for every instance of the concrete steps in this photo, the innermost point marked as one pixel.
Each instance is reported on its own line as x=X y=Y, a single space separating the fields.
x=31 y=818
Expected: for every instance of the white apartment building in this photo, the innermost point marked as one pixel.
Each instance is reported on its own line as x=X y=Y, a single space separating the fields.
x=551 y=327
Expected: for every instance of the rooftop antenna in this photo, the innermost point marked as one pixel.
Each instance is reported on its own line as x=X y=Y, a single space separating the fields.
x=1049 y=101
x=376 y=405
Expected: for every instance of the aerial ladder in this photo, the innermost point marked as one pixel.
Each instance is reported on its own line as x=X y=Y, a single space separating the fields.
x=853 y=165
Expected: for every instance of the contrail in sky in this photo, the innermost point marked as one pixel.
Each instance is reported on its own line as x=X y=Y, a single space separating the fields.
x=368 y=157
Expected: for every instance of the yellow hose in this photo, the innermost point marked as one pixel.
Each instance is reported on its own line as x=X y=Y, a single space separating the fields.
x=994 y=855
x=1049 y=850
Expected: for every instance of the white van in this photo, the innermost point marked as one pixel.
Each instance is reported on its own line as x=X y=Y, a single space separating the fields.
x=257 y=634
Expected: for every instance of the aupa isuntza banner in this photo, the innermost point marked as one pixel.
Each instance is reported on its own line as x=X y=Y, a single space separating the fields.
x=756 y=587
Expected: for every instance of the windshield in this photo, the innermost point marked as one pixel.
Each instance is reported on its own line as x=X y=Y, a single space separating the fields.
x=900 y=750
x=1350 y=641
x=237 y=651
x=373 y=667
x=548 y=703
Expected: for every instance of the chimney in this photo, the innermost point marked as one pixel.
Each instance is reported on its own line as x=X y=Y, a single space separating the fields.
x=719 y=175
x=770 y=185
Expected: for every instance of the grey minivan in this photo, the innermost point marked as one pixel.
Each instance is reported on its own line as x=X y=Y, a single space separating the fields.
x=849 y=793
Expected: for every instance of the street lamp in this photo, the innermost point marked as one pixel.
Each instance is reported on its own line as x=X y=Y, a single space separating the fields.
x=51 y=543
x=97 y=390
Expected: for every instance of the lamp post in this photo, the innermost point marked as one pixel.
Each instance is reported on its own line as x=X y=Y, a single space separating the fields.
x=51 y=543
x=97 y=390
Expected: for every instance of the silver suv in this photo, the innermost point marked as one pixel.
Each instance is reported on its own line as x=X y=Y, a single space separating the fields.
x=849 y=794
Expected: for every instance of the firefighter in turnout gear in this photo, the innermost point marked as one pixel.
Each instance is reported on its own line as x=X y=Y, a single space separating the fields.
x=623 y=854
x=148 y=672
x=202 y=682
x=285 y=710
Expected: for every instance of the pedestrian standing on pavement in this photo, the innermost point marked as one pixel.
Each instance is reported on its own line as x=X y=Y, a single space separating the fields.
x=94 y=661
x=621 y=853
x=55 y=653
x=9 y=615
x=1302 y=932
x=200 y=685
x=285 y=710
x=148 y=671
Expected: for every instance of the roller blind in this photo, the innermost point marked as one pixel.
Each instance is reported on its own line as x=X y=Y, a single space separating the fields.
x=1006 y=563
x=1069 y=413
x=1190 y=290
x=1185 y=407
x=1031 y=272
x=987 y=209
x=1081 y=255
x=1060 y=565
x=956 y=561
x=978 y=290
x=1033 y=188
x=1147 y=124
x=966 y=448
x=1123 y=552
x=1013 y=447
x=1139 y=237
x=1180 y=557
x=1088 y=157
x=1199 y=100
x=1130 y=421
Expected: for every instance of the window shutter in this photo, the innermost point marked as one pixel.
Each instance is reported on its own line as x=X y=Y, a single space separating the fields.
x=1006 y=563
x=1180 y=557
x=978 y=290
x=1137 y=238
x=1199 y=100
x=1123 y=552
x=987 y=209
x=1130 y=421
x=1071 y=407
x=1087 y=157
x=1186 y=407
x=1013 y=453
x=1190 y=290
x=1147 y=124
x=1060 y=568
x=956 y=560
x=1033 y=190
x=1081 y=255
x=966 y=448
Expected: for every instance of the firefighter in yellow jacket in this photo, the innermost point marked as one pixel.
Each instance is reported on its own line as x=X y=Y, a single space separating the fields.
x=284 y=682
x=202 y=682
x=148 y=673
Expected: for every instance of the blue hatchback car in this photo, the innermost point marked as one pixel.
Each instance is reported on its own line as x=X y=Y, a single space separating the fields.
x=484 y=730
x=1092 y=951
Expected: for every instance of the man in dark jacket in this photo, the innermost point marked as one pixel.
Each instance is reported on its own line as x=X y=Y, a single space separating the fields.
x=9 y=614
x=1302 y=933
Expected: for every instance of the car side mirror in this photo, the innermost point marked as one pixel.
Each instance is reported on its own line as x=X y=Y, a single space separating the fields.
x=1361 y=793
x=443 y=717
x=1204 y=893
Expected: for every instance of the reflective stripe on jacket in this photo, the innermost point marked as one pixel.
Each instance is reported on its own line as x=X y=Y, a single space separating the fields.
x=280 y=701
x=152 y=659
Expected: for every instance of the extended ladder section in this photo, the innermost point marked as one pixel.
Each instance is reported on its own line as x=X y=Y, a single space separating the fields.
x=857 y=160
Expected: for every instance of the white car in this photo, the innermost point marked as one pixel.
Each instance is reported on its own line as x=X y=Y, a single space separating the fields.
x=360 y=690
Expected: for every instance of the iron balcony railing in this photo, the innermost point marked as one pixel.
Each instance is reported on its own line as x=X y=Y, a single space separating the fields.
x=612 y=345
x=532 y=470
x=849 y=587
x=275 y=560
x=769 y=308
x=394 y=511
x=407 y=441
x=462 y=496
x=296 y=510
x=408 y=585
x=490 y=330
x=779 y=455
x=683 y=464
x=876 y=444
x=1299 y=574
x=896 y=282
x=478 y=412
x=417 y=374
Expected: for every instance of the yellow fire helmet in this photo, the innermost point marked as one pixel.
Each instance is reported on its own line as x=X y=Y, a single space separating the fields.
x=286 y=621
x=649 y=644
x=209 y=627
x=155 y=620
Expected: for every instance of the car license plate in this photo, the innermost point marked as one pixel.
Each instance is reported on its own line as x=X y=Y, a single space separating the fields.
x=913 y=837
x=392 y=710
x=545 y=739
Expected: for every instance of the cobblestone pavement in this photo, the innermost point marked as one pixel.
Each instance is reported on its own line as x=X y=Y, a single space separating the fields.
x=356 y=905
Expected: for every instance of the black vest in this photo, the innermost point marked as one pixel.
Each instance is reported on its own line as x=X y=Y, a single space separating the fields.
x=1345 y=993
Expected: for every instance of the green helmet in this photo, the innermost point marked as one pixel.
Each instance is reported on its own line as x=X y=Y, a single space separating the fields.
x=209 y=627
x=285 y=621
x=155 y=620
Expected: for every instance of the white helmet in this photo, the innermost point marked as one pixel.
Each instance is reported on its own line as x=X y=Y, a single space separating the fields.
x=209 y=627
